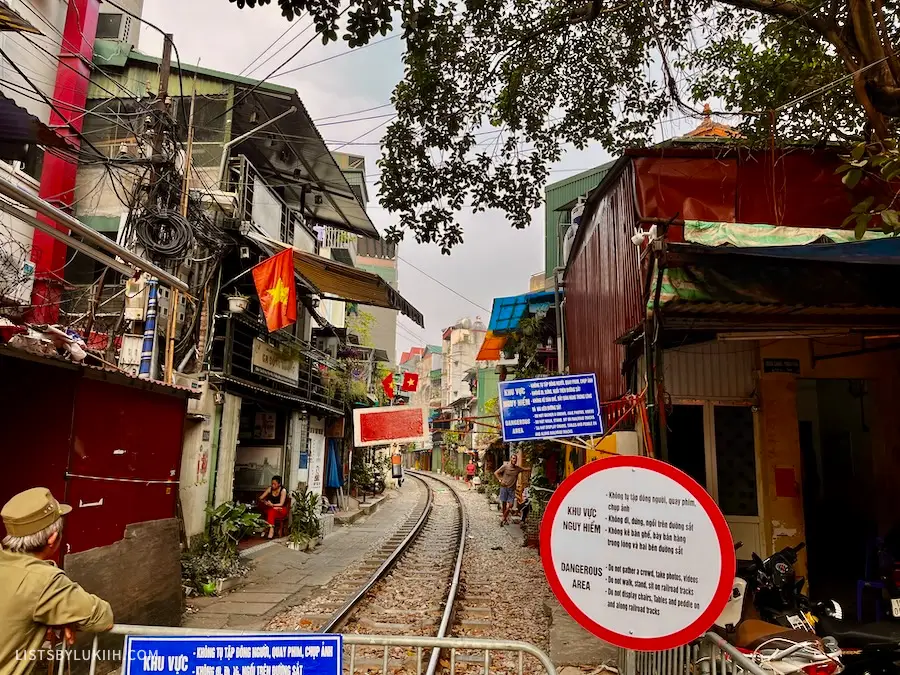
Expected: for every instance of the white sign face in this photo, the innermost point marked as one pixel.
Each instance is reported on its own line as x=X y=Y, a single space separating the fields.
x=637 y=553
x=316 y=471
x=274 y=363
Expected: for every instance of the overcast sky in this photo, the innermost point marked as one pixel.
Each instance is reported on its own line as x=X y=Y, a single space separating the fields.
x=495 y=260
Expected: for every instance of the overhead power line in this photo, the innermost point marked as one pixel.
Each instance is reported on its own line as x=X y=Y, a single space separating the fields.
x=287 y=30
x=337 y=56
x=443 y=285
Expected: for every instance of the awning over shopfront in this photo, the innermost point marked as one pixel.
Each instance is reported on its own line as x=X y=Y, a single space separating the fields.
x=19 y=129
x=13 y=22
x=849 y=283
x=342 y=282
x=506 y=315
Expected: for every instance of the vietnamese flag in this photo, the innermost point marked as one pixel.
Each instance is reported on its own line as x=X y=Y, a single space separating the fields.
x=274 y=279
x=388 y=384
x=410 y=382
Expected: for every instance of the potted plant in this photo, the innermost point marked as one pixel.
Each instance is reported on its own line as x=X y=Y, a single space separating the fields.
x=238 y=303
x=213 y=558
x=305 y=527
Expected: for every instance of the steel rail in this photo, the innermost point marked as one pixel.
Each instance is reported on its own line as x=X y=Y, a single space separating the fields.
x=344 y=612
x=450 y=605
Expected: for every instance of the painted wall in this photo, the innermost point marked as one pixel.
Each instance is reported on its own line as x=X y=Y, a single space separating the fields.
x=230 y=412
x=198 y=465
x=15 y=235
x=781 y=449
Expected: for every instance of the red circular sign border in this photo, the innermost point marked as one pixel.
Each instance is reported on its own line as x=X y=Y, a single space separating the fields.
x=726 y=549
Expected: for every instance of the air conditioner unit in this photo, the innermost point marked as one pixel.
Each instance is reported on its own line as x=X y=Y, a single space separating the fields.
x=115 y=26
x=198 y=385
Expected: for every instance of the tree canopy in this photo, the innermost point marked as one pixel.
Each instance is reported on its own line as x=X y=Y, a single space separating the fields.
x=545 y=75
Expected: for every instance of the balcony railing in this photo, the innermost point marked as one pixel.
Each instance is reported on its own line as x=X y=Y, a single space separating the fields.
x=233 y=359
x=342 y=245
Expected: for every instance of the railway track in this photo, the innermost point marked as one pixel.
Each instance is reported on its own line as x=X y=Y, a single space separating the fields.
x=412 y=591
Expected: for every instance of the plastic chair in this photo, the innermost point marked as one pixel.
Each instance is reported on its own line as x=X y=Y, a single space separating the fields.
x=871 y=581
x=282 y=521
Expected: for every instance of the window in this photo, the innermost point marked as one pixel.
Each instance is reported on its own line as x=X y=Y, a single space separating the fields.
x=34 y=162
x=684 y=439
x=108 y=26
x=209 y=127
x=114 y=122
x=735 y=460
x=715 y=445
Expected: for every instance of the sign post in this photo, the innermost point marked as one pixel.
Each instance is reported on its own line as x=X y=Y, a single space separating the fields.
x=389 y=425
x=638 y=553
x=550 y=407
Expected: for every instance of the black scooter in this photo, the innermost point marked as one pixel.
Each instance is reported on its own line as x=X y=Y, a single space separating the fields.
x=867 y=649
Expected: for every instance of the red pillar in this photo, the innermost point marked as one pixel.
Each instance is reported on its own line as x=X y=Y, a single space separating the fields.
x=58 y=176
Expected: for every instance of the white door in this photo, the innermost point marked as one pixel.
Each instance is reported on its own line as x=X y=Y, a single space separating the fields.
x=715 y=443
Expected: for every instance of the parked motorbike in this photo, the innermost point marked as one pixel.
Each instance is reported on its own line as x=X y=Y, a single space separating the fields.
x=866 y=649
x=779 y=647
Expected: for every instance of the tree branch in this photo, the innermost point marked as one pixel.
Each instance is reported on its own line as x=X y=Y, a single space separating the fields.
x=893 y=61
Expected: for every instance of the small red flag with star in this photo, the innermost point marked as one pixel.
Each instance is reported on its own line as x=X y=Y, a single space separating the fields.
x=388 y=384
x=274 y=279
x=410 y=382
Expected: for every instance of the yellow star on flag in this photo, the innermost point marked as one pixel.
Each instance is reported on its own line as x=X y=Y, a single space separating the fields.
x=279 y=293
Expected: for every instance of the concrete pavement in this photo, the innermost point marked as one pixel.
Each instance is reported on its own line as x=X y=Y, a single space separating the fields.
x=281 y=578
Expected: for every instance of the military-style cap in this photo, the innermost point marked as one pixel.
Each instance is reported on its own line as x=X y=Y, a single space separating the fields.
x=31 y=511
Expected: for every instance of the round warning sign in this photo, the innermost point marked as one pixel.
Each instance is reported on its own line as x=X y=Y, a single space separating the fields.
x=638 y=553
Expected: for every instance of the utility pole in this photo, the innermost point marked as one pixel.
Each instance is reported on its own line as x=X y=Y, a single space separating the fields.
x=186 y=185
x=150 y=348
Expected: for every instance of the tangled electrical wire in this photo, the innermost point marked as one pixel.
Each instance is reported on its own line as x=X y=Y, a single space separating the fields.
x=164 y=233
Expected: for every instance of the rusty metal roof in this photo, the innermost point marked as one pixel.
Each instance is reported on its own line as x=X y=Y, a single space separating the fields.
x=12 y=21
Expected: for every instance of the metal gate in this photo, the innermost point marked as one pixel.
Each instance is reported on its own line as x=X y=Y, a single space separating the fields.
x=710 y=655
x=395 y=652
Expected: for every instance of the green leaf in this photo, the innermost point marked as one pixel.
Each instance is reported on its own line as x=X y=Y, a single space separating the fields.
x=864 y=205
x=891 y=218
x=858 y=151
x=851 y=178
x=862 y=223
x=842 y=168
x=849 y=219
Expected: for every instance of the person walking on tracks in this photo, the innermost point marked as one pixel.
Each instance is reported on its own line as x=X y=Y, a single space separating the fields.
x=508 y=474
x=470 y=472
x=36 y=596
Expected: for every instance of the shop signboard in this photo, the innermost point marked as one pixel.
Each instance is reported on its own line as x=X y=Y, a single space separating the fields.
x=638 y=553
x=550 y=407
x=234 y=654
x=316 y=466
x=389 y=425
x=275 y=364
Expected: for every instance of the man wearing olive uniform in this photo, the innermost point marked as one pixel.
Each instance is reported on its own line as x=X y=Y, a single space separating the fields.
x=35 y=595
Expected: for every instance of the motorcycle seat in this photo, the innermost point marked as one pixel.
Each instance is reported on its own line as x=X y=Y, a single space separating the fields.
x=850 y=635
x=753 y=633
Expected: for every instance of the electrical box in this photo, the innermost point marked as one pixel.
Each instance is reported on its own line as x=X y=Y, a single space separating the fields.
x=130 y=353
x=136 y=299
x=164 y=297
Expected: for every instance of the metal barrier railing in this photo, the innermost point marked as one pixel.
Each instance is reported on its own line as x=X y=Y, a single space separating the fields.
x=420 y=647
x=710 y=655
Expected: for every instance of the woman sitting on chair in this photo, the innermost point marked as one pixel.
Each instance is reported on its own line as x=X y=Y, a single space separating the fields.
x=272 y=502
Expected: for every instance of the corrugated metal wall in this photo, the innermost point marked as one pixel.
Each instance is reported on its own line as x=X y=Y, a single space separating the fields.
x=710 y=370
x=603 y=290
